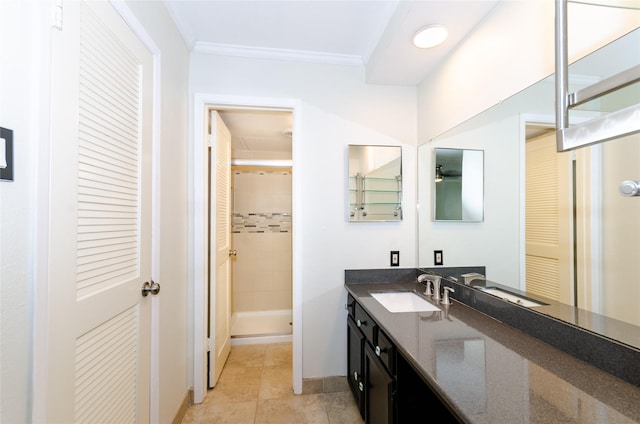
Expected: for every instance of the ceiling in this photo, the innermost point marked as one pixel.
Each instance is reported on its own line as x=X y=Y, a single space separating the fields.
x=373 y=34
x=259 y=134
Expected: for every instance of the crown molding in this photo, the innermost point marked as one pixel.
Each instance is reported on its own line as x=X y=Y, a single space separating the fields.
x=276 y=54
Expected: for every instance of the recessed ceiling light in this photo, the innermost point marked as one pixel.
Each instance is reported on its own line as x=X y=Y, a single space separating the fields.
x=430 y=36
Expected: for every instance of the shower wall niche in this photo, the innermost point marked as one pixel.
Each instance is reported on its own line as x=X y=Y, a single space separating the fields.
x=261 y=235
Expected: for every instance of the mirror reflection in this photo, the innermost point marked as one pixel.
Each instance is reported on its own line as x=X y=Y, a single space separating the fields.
x=375 y=183
x=458 y=193
x=556 y=224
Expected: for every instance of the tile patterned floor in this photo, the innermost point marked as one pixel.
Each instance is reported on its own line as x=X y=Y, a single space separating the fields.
x=255 y=388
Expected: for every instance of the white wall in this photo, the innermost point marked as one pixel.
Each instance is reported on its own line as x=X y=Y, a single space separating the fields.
x=337 y=109
x=25 y=29
x=24 y=96
x=173 y=262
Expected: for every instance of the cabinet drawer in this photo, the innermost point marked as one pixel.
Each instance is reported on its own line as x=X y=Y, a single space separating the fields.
x=364 y=322
x=386 y=351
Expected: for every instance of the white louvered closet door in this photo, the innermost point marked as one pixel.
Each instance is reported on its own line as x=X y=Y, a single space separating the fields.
x=548 y=219
x=100 y=220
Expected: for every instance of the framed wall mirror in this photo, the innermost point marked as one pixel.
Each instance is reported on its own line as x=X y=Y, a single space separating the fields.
x=458 y=192
x=375 y=183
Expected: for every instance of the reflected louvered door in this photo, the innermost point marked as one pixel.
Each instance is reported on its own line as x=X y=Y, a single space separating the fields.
x=100 y=220
x=548 y=215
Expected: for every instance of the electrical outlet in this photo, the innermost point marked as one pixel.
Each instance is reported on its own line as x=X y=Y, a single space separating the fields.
x=437 y=257
x=6 y=155
x=395 y=258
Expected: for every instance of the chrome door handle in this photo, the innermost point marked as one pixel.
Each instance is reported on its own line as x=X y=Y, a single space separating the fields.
x=153 y=288
x=630 y=188
x=233 y=252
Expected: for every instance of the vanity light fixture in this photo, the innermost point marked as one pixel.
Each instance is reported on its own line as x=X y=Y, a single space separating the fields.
x=439 y=176
x=430 y=36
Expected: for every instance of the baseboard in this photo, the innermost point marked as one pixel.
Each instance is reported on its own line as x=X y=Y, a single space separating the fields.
x=184 y=406
x=331 y=384
x=244 y=340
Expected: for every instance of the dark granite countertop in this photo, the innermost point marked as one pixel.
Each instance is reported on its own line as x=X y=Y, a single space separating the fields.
x=489 y=372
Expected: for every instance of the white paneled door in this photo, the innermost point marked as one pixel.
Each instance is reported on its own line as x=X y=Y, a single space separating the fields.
x=98 y=345
x=220 y=251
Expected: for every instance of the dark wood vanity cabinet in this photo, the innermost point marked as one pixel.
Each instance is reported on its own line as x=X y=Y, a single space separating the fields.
x=370 y=367
x=379 y=391
x=385 y=386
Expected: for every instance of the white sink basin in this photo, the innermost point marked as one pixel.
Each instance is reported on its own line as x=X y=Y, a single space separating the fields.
x=510 y=297
x=403 y=302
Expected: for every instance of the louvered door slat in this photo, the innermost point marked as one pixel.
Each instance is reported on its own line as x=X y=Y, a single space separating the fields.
x=105 y=363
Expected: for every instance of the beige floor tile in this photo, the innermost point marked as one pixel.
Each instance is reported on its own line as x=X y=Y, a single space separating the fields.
x=235 y=388
x=308 y=409
x=239 y=373
x=224 y=413
x=277 y=382
x=256 y=387
x=341 y=408
x=246 y=356
x=278 y=354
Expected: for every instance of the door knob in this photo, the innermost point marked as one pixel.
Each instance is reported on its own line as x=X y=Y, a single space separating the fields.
x=630 y=188
x=153 y=288
x=233 y=252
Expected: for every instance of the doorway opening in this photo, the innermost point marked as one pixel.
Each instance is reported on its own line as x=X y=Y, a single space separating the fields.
x=250 y=267
x=203 y=341
x=261 y=224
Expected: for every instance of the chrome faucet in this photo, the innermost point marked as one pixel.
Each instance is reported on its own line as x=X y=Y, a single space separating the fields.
x=468 y=278
x=431 y=279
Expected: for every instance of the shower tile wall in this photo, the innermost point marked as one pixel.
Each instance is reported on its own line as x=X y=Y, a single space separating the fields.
x=262 y=237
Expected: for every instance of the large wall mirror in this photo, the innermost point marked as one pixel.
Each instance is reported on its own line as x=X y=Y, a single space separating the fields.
x=555 y=224
x=458 y=191
x=375 y=183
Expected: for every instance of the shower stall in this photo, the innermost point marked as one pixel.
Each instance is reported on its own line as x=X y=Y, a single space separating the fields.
x=261 y=290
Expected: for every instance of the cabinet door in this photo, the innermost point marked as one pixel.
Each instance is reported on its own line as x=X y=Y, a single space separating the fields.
x=379 y=391
x=355 y=346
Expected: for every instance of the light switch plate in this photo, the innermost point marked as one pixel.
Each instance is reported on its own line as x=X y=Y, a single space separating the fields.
x=6 y=172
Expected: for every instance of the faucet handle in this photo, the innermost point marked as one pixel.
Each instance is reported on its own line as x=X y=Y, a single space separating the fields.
x=445 y=297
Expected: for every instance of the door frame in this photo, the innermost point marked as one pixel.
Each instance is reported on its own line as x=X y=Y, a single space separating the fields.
x=43 y=253
x=198 y=214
